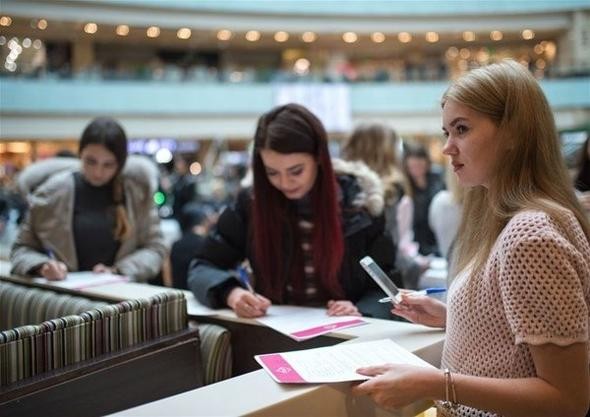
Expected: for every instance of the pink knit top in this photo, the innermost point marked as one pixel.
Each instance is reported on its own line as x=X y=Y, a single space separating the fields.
x=534 y=289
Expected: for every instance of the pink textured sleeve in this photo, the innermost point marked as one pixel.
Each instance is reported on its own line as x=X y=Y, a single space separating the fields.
x=541 y=288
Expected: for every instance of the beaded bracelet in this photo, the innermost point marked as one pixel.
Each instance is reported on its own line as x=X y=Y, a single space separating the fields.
x=450 y=401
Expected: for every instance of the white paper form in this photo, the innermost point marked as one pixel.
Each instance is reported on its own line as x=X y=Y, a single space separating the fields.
x=194 y=308
x=113 y=286
x=302 y=323
x=334 y=363
x=83 y=280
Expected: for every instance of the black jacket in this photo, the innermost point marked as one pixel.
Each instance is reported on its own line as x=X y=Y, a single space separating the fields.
x=181 y=255
x=212 y=272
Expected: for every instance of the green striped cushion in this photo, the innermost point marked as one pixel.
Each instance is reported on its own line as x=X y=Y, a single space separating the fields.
x=215 y=352
x=30 y=350
x=21 y=305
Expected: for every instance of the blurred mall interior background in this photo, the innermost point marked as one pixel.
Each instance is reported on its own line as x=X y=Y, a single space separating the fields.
x=191 y=77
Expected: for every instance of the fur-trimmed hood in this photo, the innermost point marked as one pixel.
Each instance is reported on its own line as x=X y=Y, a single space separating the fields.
x=140 y=169
x=371 y=195
x=50 y=189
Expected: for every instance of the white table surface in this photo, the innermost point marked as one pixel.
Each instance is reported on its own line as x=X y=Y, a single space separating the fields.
x=256 y=394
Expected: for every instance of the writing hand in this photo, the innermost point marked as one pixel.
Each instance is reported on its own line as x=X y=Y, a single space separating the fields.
x=395 y=386
x=247 y=304
x=421 y=309
x=54 y=270
x=342 y=308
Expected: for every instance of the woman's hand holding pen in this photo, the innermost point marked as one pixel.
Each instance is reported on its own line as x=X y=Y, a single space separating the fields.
x=421 y=309
x=342 y=308
x=54 y=270
x=247 y=304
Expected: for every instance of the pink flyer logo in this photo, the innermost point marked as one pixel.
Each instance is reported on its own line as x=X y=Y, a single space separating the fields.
x=281 y=369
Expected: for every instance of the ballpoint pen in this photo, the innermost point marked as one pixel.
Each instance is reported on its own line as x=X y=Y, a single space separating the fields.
x=245 y=279
x=426 y=291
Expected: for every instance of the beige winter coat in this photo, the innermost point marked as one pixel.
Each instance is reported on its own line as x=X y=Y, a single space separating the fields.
x=48 y=224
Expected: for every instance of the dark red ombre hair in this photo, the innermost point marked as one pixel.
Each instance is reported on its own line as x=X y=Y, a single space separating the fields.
x=294 y=129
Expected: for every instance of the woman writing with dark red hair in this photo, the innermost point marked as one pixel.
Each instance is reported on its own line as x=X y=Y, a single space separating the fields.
x=303 y=227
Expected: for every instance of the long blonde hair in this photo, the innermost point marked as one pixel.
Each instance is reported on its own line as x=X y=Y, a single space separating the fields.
x=376 y=145
x=530 y=175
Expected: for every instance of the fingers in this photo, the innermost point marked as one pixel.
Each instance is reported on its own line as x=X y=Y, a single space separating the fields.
x=54 y=270
x=342 y=308
x=244 y=309
x=246 y=304
x=413 y=302
x=406 y=314
x=249 y=312
x=374 y=370
x=407 y=309
x=363 y=388
x=422 y=302
x=368 y=387
x=255 y=301
x=413 y=299
x=264 y=303
x=100 y=268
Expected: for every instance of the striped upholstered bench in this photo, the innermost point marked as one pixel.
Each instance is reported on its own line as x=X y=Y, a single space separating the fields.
x=139 y=350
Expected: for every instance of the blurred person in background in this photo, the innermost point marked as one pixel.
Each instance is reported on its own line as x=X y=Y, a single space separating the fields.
x=98 y=215
x=65 y=153
x=302 y=227
x=218 y=196
x=424 y=184
x=12 y=210
x=517 y=320
x=376 y=145
x=444 y=214
x=183 y=185
x=4 y=216
x=195 y=221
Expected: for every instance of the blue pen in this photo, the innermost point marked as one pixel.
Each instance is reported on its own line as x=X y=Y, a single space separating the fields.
x=433 y=290
x=245 y=279
x=426 y=291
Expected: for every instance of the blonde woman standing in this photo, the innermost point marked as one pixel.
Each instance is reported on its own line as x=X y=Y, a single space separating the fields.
x=517 y=317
